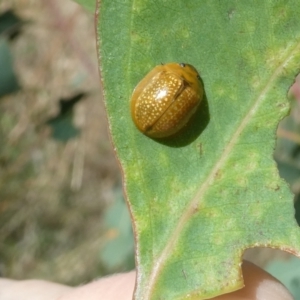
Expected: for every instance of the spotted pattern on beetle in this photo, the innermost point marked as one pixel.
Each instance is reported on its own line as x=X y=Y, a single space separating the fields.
x=166 y=100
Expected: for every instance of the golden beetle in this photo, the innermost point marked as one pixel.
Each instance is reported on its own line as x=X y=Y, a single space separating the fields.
x=165 y=99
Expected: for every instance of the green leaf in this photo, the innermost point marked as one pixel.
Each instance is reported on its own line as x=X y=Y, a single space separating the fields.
x=62 y=125
x=200 y=199
x=63 y=128
x=10 y=24
x=287 y=151
x=89 y=5
x=118 y=250
x=8 y=80
x=288 y=273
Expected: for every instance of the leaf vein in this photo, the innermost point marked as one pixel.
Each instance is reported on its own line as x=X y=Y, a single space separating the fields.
x=194 y=204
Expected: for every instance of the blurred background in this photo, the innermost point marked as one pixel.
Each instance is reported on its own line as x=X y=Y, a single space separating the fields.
x=62 y=212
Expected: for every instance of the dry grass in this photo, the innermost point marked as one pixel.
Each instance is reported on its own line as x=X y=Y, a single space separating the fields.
x=52 y=195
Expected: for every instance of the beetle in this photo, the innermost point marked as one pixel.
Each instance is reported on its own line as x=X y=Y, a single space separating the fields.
x=165 y=99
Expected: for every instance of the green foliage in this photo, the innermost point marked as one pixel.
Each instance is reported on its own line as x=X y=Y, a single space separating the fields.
x=10 y=25
x=288 y=146
x=200 y=199
x=8 y=80
x=62 y=125
x=117 y=252
x=89 y=5
x=7 y=21
x=288 y=273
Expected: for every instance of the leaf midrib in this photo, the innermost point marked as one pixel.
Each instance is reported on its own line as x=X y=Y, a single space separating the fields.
x=194 y=204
